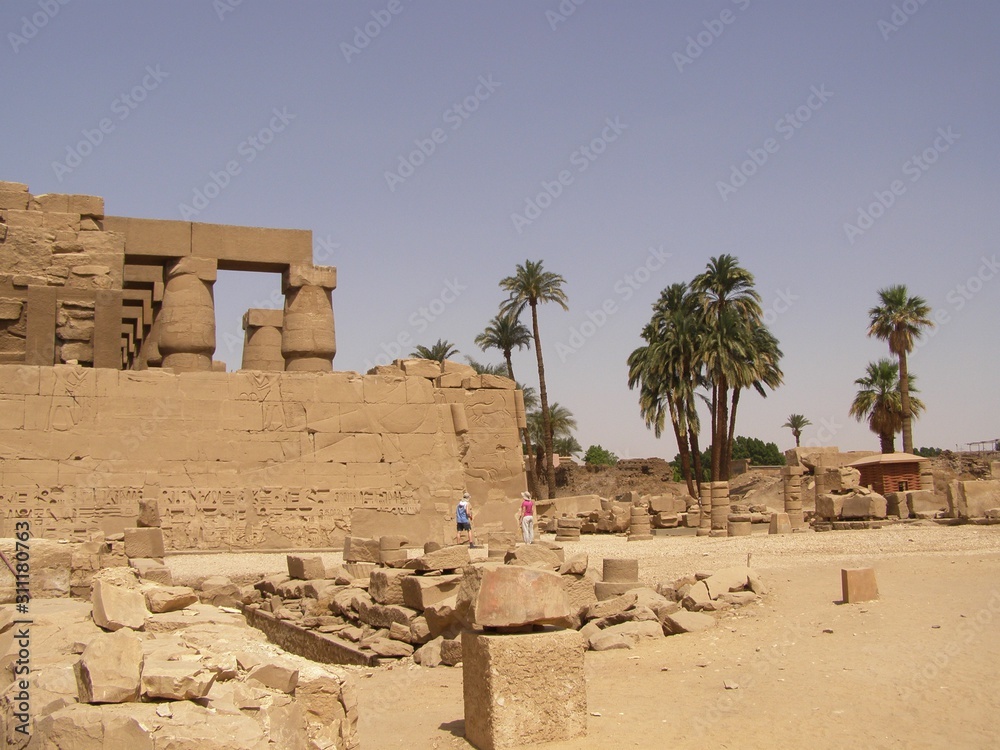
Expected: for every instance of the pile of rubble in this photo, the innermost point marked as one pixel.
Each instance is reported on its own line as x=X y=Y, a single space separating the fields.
x=365 y=612
x=146 y=666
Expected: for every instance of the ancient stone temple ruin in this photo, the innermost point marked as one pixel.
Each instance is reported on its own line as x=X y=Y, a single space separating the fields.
x=109 y=395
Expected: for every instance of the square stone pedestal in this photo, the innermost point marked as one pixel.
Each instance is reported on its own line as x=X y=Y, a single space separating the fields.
x=858 y=585
x=523 y=689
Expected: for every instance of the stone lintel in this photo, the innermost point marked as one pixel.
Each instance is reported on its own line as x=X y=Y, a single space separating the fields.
x=257 y=317
x=158 y=238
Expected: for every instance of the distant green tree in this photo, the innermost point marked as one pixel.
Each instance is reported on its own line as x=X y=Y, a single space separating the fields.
x=598 y=456
x=928 y=452
x=759 y=452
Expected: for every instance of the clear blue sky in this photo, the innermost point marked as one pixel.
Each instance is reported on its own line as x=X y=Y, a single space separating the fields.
x=652 y=113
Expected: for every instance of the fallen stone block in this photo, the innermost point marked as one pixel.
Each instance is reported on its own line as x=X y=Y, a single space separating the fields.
x=115 y=607
x=305 y=567
x=626 y=634
x=509 y=706
x=609 y=607
x=533 y=556
x=610 y=590
x=510 y=597
x=152 y=570
x=452 y=651
x=176 y=680
x=727 y=579
x=110 y=668
x=780 y=524
x=144 y=542
x=276 y=676
x=357 y=549
x=169 y=598
x=385 y=585
x=858 y=585
x=452 y=557
x=420 y=592
x=149 y=513
x=696 y=596
x=683 y=621
x=429 y=655
x=386 y=647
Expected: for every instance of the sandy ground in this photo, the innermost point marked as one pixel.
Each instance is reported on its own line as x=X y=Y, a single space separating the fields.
x=916 y=669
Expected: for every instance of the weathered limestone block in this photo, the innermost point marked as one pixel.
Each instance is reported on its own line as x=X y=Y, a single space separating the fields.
x=621 y=570
x=385 y=585
x=864 y=506
x=626 y=635
x=384 y=615
x=305 y=567
x=149 y=513
x=420 y=592
x=523 y=689
x=580 y=590
x=357 y=549
x=533 y=556
x=425 y=368
x=511 y=596
x=145 y=542
x=829 y=507
x=389 y=648
x=972 y=499
x=683 y=621
x=115 y=608
x=610 y=590
x=780 y=524
x=152 y=570
x=176 y=680
x=452 y=557
x=169 y=598
x=858 y=585
x=727 y=579
x=274 y=675
x=110 y=668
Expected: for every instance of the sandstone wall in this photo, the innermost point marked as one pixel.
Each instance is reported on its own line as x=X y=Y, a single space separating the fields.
x=250 y=460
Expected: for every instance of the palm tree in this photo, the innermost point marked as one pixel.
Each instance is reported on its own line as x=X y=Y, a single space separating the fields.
x=440 y=351
x=529 y=286
x=567 y=446
x=758 y=369
x=796 y=422
x=668 y=369
x=899 y=319
x=505 y=332
x=879 y=400
x=561 y=421
x=483 y=368
x=732 y=312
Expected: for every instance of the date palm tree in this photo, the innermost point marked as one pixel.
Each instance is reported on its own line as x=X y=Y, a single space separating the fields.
x=900 y=320
x=530 y=286
x=440 y=351
x=879 y=400
x=796 y=423
x=731 y=310
x=505 y=333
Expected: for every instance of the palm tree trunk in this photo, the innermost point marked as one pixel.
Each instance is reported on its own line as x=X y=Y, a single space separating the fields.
x=543 y=397
x=696 y=459
x=682 y=447
x=904 y=397
x=713 y=471
x=727 y=457
x=722 y=432
x=887 y=442
x=529 y=454
x=797 y=434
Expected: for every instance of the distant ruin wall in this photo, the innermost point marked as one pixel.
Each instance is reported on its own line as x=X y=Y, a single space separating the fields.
x=249 y=460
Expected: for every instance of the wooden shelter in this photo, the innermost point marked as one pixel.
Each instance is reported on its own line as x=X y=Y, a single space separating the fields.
x=891 y=472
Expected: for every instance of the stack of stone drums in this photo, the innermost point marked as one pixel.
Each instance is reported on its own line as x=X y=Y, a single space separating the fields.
x=705 y=524
x=740 y=521
x=568 y=529
x=390 y=549
x=641 y=525
x=619 y=576
x=720 y=509
x=792 y=485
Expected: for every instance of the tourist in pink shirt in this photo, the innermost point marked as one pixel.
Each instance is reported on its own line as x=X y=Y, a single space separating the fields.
x=526 y=517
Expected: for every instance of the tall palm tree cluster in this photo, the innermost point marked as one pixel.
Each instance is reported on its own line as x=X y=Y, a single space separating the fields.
x=705 y=341
x=548 y=427
x=884 y=395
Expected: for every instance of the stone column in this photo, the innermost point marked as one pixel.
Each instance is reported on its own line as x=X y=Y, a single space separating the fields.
x=720 y=509
x=262 y=342
x=791 y=478
x=187 y=315
x=705 y=523
x=308 y=339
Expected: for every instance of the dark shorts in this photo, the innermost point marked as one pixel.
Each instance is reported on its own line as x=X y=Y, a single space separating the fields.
x=464 y=526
